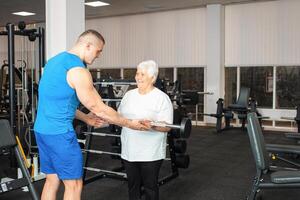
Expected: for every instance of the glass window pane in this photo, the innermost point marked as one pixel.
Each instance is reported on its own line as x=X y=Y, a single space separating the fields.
x=129 y=74
x=230 y=85
x=193 y=79
x=166 y=74
x=94 y=73
x=287 y=87
x=260 y=82
x=106 y=73
x=110 y=73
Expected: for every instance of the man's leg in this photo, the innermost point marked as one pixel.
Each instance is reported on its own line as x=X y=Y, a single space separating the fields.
x=73 y=189
x=68 y=164
x=50 y=187
x=150 y=172
x=52 y=181
x=134 y=179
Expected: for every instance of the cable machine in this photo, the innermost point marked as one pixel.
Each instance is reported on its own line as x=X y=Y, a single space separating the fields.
x=11 y=112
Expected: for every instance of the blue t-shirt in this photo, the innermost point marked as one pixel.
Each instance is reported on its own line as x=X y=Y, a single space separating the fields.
x=57 y=100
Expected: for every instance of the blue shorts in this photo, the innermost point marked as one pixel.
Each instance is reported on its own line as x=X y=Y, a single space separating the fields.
x=61 y=155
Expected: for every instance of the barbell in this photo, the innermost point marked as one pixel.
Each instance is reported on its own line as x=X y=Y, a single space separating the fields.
x=185 y=127
x=181 y=160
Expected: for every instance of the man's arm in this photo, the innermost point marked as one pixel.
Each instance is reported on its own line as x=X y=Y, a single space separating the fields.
x=81 y=80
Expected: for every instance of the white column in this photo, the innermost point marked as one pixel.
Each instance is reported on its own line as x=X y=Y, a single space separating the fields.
x=65 y=21
x=215 y=58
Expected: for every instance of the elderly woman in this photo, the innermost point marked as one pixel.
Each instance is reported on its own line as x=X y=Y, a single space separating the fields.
x=144 y=151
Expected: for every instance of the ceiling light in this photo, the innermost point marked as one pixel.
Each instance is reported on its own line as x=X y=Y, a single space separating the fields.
x=23 y=13
x=96 y=3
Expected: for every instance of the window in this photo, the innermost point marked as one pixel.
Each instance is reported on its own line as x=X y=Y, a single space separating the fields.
x=129 y=74
x=166 y=73
x=110 y=73
x=193 y=79
x=94 y=73
x=105 y=73
x=259 y=80
x=287 y=87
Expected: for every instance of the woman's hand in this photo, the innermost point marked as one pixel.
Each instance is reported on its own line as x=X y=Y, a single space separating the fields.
x=94 y=120
x=139 y=125
x=162 y=128
x=146 y=123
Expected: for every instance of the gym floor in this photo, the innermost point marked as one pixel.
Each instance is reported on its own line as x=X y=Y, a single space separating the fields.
x=221 y=168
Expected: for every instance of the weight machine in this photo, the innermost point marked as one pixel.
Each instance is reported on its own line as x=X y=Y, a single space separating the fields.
x=11 y=111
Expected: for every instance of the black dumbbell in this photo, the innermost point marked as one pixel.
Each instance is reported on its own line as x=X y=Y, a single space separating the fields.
x=180 y=146
x=182 y=161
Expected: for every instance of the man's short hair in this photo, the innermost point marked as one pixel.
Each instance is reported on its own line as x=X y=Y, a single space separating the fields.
x=94 y=33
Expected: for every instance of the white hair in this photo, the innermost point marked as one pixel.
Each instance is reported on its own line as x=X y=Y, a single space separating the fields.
x=150 y=66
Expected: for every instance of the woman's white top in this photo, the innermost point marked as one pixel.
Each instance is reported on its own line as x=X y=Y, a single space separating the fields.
x=145 y=145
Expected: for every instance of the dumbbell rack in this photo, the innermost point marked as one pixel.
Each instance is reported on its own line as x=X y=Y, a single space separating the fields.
x=118 y=173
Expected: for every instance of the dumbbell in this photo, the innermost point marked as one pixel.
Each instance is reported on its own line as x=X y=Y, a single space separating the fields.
x=182 y=161
x=185 y=127
x=180 y=146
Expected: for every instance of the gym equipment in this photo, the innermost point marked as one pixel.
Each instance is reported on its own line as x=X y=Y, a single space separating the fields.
x=101 y=134
x=12 y=112
x=177 y=158
x=115 y=142
x=219 y=115
x=8 y=140
x=295 y=136
x=180 y=146
x=101 y=152
x=185 y=127
x=182 y=161
x=242 y=106
x=124 y=175
x=21 y=25
x=116 y=149
x=267 y=177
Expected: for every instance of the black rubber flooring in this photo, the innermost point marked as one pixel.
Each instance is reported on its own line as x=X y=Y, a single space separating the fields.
x=221 y=168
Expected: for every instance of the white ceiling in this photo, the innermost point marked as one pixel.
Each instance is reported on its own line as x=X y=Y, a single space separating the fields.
x=117 y=7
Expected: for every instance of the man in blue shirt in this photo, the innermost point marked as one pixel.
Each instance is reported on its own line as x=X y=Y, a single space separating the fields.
x=65 y=83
